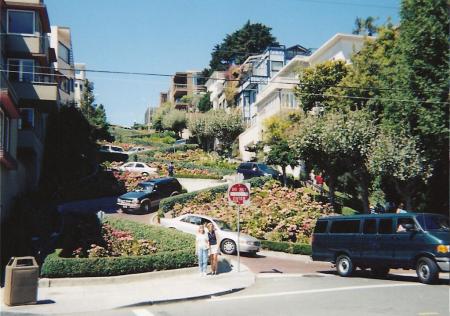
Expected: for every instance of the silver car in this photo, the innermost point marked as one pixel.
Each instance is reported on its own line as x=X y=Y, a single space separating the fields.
x=226 y=238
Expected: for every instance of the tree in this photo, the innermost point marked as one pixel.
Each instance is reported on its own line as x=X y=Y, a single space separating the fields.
x=280 y=154
x=316 y=80
x=95 y=114
x=174 y=120
x=397 y=156
x=199 y=124
x=252 y=38
x=159 y=114
x=365 y=26
x=204 y=105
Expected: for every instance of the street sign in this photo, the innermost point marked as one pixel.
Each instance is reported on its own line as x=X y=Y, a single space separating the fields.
x=239 y=193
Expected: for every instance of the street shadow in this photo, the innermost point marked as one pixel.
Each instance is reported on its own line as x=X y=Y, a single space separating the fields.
x=252 y=255
x=44 y=302
x=223 y=266
x=390 y=277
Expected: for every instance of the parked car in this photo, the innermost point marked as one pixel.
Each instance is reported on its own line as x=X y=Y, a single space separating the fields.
x=180 y=142
x=380 y=242
x=135 y=150
x=111 y=149
x=138 y=167
x=149 y=194
x=255 y=169
x=226 y=237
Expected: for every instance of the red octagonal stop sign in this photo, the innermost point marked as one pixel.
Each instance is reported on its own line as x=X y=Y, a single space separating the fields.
x=239 y=193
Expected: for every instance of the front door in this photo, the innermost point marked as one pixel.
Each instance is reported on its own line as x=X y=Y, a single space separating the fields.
x=406 y=243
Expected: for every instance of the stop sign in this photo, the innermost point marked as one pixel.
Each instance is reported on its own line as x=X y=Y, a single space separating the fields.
x=239 y=193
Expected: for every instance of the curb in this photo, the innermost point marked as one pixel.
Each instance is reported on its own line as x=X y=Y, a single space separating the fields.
x=118 y=279
x=287 y=256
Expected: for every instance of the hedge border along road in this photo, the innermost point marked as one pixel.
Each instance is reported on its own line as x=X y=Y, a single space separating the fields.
x=175 y=250
x=167 y=204
x=288 y=247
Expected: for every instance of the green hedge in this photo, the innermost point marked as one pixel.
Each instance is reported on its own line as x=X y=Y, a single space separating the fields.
x=175 y=250
x=303 y=249
x=167 y=204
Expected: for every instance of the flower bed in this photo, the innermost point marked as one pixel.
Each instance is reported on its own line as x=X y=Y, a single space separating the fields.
x=135 y=248
x=276 y=213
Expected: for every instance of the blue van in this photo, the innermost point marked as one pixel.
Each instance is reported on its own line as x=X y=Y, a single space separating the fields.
x=419 y=241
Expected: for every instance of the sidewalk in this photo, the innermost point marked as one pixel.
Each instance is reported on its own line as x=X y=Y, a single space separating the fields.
x=91 y=294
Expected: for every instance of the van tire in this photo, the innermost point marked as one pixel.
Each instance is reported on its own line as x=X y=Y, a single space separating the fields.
x=344 y=266
x=379 y=272
x=427 y=270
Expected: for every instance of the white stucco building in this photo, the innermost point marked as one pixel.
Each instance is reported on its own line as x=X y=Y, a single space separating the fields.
x=80 y=77
x=215 y=86
x=270 y=97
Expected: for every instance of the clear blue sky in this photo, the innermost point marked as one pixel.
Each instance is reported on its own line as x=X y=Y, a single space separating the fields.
x=164 y=36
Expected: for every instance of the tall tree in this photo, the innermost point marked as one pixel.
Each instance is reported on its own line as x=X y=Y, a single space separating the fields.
x=365 y=26
x=252 y=38
x=204 y=105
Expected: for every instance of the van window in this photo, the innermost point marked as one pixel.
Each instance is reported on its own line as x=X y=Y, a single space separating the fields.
x=401 y=224
x=321 y=227
x=345 y=227
x=370 y=226
x=245 y=166
x=385 y=226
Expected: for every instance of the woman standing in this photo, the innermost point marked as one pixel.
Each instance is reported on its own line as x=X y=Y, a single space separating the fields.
x=214 y=248
x=201 y=248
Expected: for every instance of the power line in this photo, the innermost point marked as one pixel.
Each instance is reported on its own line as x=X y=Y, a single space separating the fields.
x=349 y=4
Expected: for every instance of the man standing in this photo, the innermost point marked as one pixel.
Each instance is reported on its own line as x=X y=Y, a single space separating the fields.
x=319 y=182
x=170 y=169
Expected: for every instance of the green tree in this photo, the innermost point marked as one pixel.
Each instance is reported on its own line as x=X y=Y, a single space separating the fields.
x=159 y=114
x=174 y=120
x=397 y=157
x=227 y=127
x=365 y=26
x=316 y=80
x=252 y=38
x=204 y=105
x=280 y=154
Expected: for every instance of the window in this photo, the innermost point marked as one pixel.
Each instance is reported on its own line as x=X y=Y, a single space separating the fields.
x=276 y=66
x=370 y=226
x=401 y=224
x=76 y=84
x=385 y=226
x=26 y=118
x=20 y=22
x=2 y=130
x=139 y=165
x=245 y=166
x=21 y=70
x=64 y=52
x=345 y=227
x=321 y=227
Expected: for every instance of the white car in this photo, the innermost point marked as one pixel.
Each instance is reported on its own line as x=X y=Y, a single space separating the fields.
x=111 y=149
x=226 y=238
x=138 y=167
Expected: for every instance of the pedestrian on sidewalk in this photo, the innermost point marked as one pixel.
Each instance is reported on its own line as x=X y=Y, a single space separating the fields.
x=170 y=169
x=312 y=177
x=319 y=182
x=201 y=248
x=213 y=248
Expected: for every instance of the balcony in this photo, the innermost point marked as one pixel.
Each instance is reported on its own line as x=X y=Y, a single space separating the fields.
x=24 y=45
x=34 y=86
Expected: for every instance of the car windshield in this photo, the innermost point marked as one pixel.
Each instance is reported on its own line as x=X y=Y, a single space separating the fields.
x=222 y=225
x=266 y=168
x=147 y=187
x=433 y=222
x=117 y=148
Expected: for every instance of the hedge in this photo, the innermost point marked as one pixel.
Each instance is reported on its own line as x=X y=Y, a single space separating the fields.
x=175 y=250
x=167 y=204
x=281 y=246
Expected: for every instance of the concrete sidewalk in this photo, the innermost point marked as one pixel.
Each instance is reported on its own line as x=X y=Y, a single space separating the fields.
x=91 y=294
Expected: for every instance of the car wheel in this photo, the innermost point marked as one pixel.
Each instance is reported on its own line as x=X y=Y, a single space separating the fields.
x=427 y=270
x=344 y=266
x=228 y=247
x=144 y=174
x=145 y=206
x=379 y=272
x=174 y=193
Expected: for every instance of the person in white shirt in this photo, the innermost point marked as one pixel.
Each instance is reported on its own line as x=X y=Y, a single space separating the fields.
x=201 y=248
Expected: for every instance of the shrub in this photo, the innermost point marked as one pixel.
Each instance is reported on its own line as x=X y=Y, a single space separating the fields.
x=288 y=247
x=174 y=250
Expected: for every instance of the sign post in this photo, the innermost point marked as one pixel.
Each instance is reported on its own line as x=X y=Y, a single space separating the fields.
x=239 y=194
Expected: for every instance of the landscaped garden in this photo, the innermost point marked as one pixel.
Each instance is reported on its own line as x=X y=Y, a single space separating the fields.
x=117 y=246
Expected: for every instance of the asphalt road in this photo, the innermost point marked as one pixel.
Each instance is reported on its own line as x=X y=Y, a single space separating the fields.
x=273 y=294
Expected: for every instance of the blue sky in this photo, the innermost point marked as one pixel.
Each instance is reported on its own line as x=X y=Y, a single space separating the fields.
x=165 y=36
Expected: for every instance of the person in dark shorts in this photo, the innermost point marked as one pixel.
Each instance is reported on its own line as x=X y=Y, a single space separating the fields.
x=170 y=169
x=213 y=248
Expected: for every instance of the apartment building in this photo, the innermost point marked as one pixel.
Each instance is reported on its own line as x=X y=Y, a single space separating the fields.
x=163 y=98
x=80 y=80
x=184 y=86
x=267 y=91
x=61 y=42
x=28 y=92
x=215 y=85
